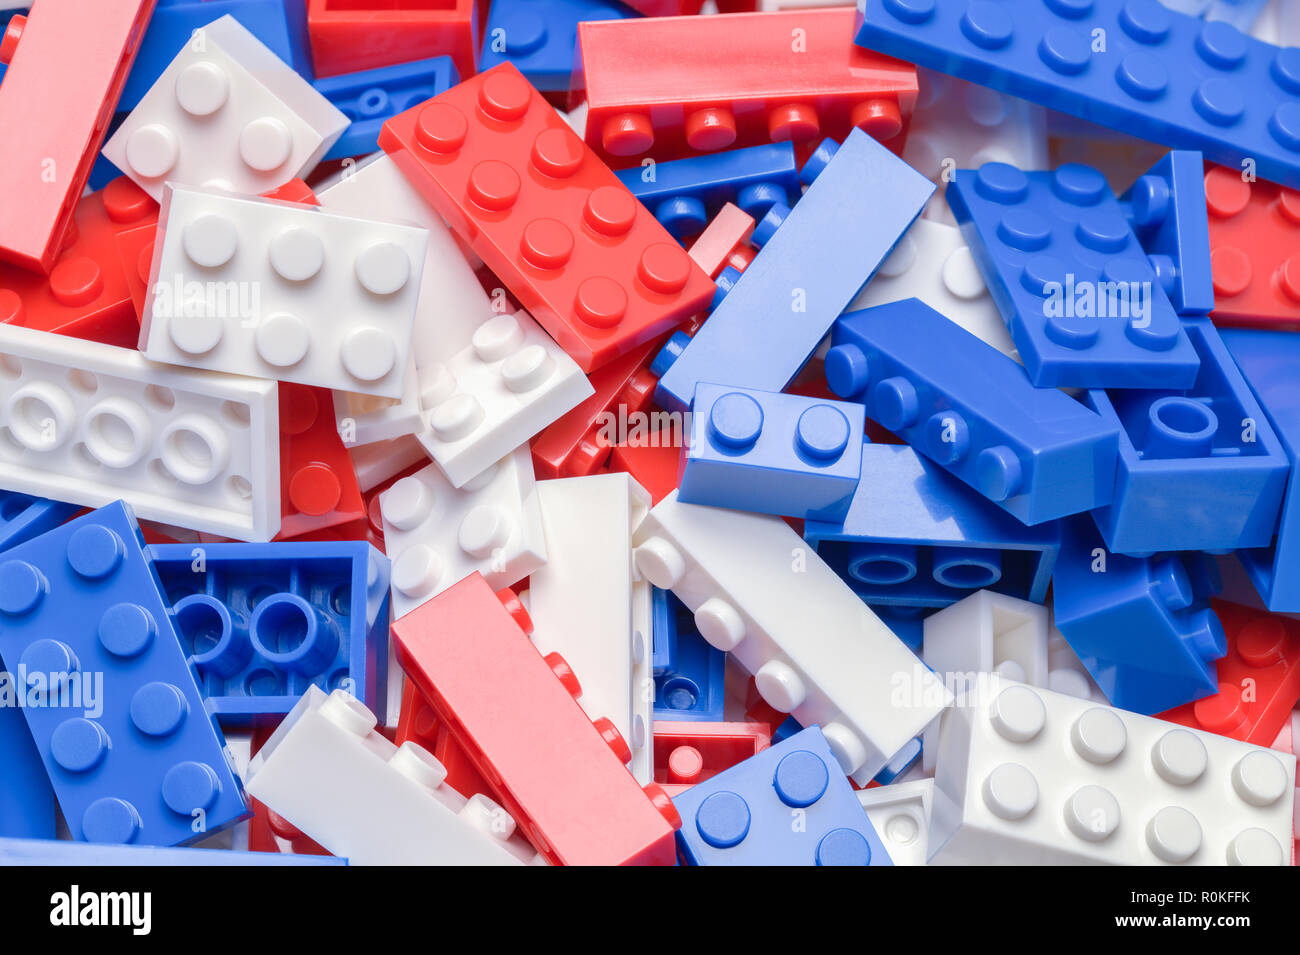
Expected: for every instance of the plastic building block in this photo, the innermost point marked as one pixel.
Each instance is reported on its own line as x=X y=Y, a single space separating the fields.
x=27 y=799
x=1066 y=672
x=900 y=815
x=694 y=687
x=23 y=517
x=1035 y=452
x=363 y=420
x=523 y=724
x=88 y=634
x=689 y=753
x=67 y=63
x=1162 y=76
x=370 y=97
x=906 y=620
x=669 y=8
x=564 y=235
x=652 y=460
x=88 y=424
x=419 y=723
x=293 y=271
x=540 y=36
x=679 y=86
x=317 y=484
x=510 y=383
x=684 y=194
x=815 y=650
x=724 y=243
x=1142 y=626
x=1259 y=678
x=772 y=453
x=375 y=464
x=1199 y=469
x=1028 y=776
x=1084 y=305
x=742 y=815
x=915 y=536
x=588 y=605
x=1167 y=209
x=899 y=763
x=1254 y=227
x=663 y=623
x=352 y=35
x=437 y=534
x=262 y=622
x=813 y=260
x=50 y=852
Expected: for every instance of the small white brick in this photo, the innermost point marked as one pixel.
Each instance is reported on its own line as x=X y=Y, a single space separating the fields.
x=900 y=814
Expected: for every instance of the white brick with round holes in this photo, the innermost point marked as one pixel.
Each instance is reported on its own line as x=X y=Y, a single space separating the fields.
x=1030 y=777
x=280 y=290
x=490 y=398
x=328 y=772
x=226 y=113
x=91 y=424
x=815 y=649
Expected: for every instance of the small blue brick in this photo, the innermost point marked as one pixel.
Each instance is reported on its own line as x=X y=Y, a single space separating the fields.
x=743 y=815
x=540 y=37
x=1084 y=306
x=26 y=797
x=694 y=688
x=684 y=194
x=1142 y=626
x=1035 y=452
x=23 y=517
x=772 y=453
x=145 y=763
x=663 y=617
x=370 y=97
x=917 y=537
x=49 y=852
x=1198 y=470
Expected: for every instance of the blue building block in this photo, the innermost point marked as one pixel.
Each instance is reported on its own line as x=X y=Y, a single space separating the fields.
x=742 y=816
x=1067 y=273
x=50 y=852
x=1035 y=452
x=907 y=622
x=23 y=517
x=370 y=97
x=1198 y=470
x=684 y=194
x=695 y=687
x=861 y=200
x=540 y=37
x=262 y=622
x=1142 y=626
x=122 y=730
x=901 y=762
x=1159 y=75
x=26 y=797
x=1166 y=208
x=1269 y=360
x=663 y=617
x=789 y=727
x=772 y=453
x=917 y=537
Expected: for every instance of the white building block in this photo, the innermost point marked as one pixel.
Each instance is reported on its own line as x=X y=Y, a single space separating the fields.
x=1066 y=672
x=491 y=397
x=815 y=649
x=1031 y=777
x=326 y=770
x=91 y=423
x=227 y=113
x=900 y=814
x=576 y=119
x=1288 y=23
x=589 y=605
x=365 y=419
x=282 y=290
x=436 y=534
x=376 y=463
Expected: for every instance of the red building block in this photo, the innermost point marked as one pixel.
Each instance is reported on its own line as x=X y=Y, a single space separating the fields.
x=666 y=8
x=317 y=483
x=559 y=775
x=687 y=753
x=1254 y=250
x=419 y=723
x=549 y=218
x=351 y=35
x=651 y=460
x=725 y=242
x=672 y=87
x=68 y=61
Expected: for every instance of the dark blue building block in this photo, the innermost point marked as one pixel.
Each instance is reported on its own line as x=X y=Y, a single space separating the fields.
x=1199 y=469
x=684 y=194
x=694 y=688
x=49 y=852
x=743 y=815
x=901 y=762
x=26 y=797
x=1142 y=626
x=1036 y=452
x=1269 y=360
x=540 y=37
x=812 y=260
x=772 y=453
x=916 y=536
x=1159 y=75
x=370 y=97
x=664 y=627
x=1166 y=208
x=23 y=517
x=262 y=622
x=907 y=622
x=128 y=745
x=1083 y=304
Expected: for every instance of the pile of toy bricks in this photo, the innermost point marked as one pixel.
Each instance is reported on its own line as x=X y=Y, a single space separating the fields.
x=583 y=433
